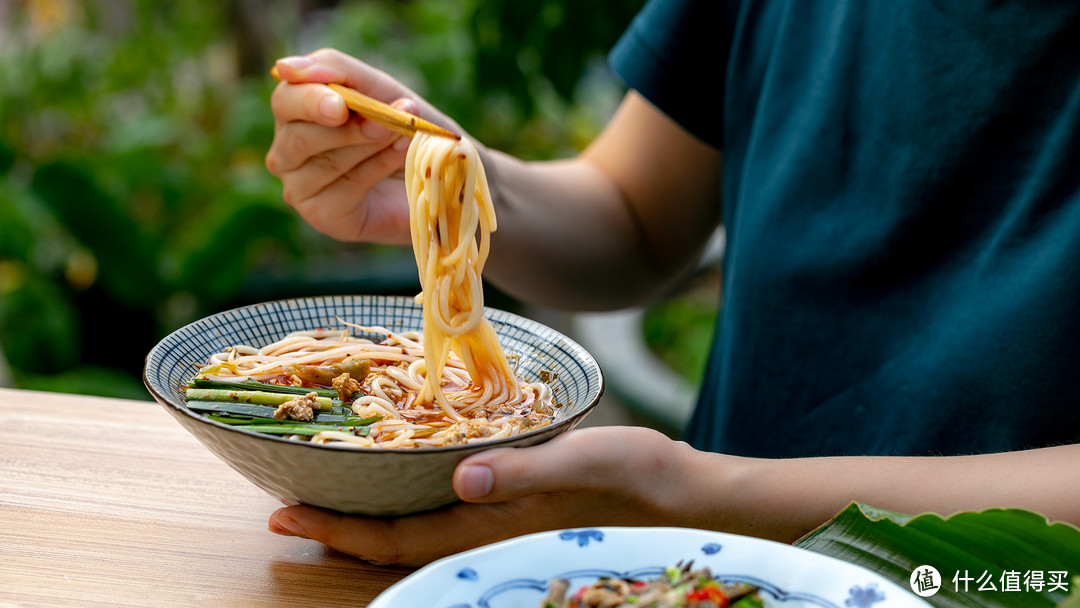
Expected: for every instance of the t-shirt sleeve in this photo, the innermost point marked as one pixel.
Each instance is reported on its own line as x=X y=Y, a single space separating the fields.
x=673 y=54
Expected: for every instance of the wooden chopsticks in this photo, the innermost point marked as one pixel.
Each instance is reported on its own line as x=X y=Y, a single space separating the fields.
x=382 y=113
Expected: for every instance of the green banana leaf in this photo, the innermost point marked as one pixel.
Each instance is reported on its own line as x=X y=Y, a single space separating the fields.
x=1010 y=550
x=1074 y=598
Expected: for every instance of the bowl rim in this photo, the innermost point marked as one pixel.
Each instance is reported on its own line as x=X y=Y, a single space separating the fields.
x=466 y=447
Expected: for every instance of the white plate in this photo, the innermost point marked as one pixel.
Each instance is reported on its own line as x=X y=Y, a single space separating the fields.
x=515 y=573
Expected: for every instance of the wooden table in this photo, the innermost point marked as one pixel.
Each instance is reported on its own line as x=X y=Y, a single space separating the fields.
x=109 y=501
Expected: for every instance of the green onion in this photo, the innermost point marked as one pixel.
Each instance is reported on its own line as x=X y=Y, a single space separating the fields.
x=251 y=397
x=250 y=384
x=276 y=427
x=306 y=428
x=230 y=419
x=354 y=421
x=246 y=414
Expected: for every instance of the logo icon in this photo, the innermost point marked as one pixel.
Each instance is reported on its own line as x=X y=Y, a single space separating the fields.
x=925 y=581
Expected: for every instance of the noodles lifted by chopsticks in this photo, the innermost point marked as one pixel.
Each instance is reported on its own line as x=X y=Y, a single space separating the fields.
x=449 y=203
x=453 y=384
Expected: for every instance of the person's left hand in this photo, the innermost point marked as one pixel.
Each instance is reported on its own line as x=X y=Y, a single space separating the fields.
x=625 y=476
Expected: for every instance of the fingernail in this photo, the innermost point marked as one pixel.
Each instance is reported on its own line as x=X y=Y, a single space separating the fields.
x=297 y=62
x=406 y=105
x=402 y=143
x=476 y=481
x=285 y=526
x=332 y=106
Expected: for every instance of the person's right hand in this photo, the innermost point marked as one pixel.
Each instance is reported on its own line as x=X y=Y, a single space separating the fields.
x=340 y=172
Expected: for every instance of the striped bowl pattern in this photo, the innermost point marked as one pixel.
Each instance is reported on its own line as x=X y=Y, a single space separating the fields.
x=365 y=481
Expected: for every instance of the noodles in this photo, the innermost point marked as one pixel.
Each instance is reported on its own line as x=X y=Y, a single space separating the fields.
x=390 y=391
x=449 y=203
x=451 y=384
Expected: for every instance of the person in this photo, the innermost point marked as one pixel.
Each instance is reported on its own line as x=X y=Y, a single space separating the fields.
x=901 y=201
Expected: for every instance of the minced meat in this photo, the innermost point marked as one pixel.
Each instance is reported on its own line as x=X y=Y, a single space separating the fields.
x=301 y=409
x=346 y=386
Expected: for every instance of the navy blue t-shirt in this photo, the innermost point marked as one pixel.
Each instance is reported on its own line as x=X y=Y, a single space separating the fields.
x=901 y=199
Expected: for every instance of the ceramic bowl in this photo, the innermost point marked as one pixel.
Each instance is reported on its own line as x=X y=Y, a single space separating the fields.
x=366 y=481
x=516 y=573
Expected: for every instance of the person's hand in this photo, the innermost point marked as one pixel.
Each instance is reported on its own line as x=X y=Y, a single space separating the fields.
x=606 y=476
x=340 y=172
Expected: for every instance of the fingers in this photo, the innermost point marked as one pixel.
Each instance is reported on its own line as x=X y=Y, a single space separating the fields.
x=582 y=478
x=303 y=96
x=508 y=473
x=602 y=459
x=329 y=65
x=306 y=69
x=297 y=141
x=331 y=203
x=408 y=541
x=336 y=176
x=320 y=171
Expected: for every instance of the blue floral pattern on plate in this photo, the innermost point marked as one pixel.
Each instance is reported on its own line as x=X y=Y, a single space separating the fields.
x=864 y=597
x=582 y=536
x=711 y=548
x=516 y=573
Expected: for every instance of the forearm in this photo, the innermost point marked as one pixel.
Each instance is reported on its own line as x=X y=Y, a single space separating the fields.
x=565 y=238
x=612 y=227
x=784 y=499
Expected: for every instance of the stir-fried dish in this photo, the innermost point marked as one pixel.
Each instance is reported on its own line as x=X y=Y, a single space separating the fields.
x=679 y=586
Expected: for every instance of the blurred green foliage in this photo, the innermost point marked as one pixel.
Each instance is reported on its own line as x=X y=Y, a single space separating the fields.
x=133 y=197
x=524 y=76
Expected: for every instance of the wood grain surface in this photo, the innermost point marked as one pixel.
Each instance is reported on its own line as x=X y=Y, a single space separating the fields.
x=111 y=502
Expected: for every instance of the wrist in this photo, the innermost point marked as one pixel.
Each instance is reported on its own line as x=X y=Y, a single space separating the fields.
x=711 y=486
x=775 y=499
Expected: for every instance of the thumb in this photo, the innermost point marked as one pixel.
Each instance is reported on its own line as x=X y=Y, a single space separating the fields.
x=503 y=474
x=585 y=459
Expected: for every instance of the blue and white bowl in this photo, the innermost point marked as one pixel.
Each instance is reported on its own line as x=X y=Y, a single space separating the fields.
x=515 y=573
x=367 y=481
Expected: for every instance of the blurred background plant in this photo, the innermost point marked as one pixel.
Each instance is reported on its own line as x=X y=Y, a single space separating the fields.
x=133 y=196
